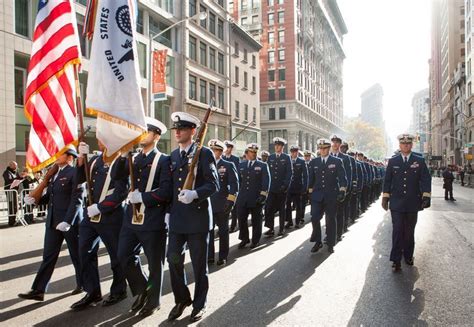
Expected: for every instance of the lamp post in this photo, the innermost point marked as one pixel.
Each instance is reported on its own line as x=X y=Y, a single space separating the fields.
x=201 y=16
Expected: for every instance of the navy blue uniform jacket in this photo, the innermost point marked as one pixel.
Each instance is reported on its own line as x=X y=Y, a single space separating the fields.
x=325 y=181
x=228 y=185
x=280 y=172
x=299 y=181
x=254 y=181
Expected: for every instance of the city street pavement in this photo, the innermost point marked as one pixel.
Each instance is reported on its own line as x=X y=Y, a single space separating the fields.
x=281 y=283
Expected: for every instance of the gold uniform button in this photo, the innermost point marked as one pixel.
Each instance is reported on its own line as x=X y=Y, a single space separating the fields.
x=405 y=192
x=404 y=185
x=179 y=179
x=138 y=179
x=179 y=188
x=180 y=169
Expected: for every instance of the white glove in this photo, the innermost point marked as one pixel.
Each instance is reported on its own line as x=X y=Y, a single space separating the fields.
x=29 y=200
x=83 y=149
x=187 y=196
x=135 y=197
x=63 y=226
x=93 y=210
x=167 y=220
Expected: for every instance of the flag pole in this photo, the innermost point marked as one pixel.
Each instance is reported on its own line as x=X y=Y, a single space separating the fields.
x=81 y=136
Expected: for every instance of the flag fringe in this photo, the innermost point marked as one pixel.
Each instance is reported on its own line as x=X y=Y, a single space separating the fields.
x=51 y=160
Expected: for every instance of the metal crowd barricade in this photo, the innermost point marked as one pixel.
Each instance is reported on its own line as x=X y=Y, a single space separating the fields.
x=11 y=207
x=34 y=210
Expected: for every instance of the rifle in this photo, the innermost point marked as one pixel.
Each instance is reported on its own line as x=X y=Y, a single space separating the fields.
x=189 y=182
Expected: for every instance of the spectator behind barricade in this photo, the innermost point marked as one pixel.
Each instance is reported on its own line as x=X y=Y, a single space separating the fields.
x=28 y=183
x=11 y=182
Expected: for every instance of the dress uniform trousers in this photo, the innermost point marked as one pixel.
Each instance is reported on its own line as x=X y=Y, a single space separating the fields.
x=221 y=219
x=154 y=246
x=90 y=235
x=347 y=210
x=294 y=199
x=403 y=235
x=233 y=218
x=198 y=247
x=354 y=206
x=318 y=208
x=53 y=239
x=243 y=213
x=275 y=202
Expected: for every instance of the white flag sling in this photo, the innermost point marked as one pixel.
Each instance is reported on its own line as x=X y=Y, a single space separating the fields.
x=113 y=89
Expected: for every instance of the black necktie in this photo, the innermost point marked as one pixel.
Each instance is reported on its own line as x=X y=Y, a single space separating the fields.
x=406 y=159
x=183 y=155
x=250 y=164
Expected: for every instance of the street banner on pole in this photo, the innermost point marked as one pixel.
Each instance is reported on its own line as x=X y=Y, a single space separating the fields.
x=113 y=88
x=50 y=88
x=159 y=75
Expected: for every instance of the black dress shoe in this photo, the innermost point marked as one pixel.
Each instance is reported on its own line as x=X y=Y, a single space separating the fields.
x=289 y=225
x=452 y=199
x=77 y=290
x=331 y=249
x=254 y=245
x=178 y=309
x=297 y=226
x=269 y=232
x=409 y=262
x=243 y=244
x=316 y=247
x=114 y=298
x=210 y=261
x=397 y=266
x=89 y=299
x=339 y=239
x=139 y=302
x=148 y=310
x=32 y=295
x=197 y=314
x=221 y=262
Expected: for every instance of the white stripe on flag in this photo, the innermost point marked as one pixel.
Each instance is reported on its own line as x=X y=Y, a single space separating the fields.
x=48 y=120
x=57 y=24
x=37 y=147
x=57 y=90
x=44 y=12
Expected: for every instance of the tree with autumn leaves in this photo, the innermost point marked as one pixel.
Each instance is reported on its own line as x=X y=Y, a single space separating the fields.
x=366 y=138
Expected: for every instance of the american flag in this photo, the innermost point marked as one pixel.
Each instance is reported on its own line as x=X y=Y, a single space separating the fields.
x=50 y=88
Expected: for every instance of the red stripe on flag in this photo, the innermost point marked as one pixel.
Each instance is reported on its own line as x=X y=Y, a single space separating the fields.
x=43 y=134
x=57 y=112
x=67 y=89
x=58 y=11
x=33 y=160
x=52 y=43
x=52 y=69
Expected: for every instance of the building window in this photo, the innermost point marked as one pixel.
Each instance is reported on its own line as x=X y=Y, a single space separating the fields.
x=254 y=84
x=20 y=82
x=271 y=57
x=281 y=17
x=237 y=109
x=271 y=37
x=220 y=29
x=246 y=112
x=203 y=53
x=246 y=82
x=281 y=74
x=282 y=111
x=271 y=2
x=192 y=47
x=282 y=94
x=254 y=61
x=221 y=3
x=243 y=21
x=192 y=8
x=142 y=64
x=236 y=78
x=271 y=95
x=139 y=22
x=281 y=36
x=245 y=55
x=220 y=97
x=281 y=55
x=192 y=87
x=212 y=58
x=212 y=23
x=243 y=5
x=22 y=17
x=280 y=2
x=271 y=75
x=212 y=91
x=220 y=63
x=271 y=19
x=254 y=115
x=204 y=21
x=203 y=91
x=271 y=114
x=236 y=49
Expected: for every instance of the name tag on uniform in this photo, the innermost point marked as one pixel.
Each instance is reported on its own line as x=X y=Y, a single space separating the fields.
x=63 y=178
x=415 y=165
x=258 y=168
x=222 y=170
x=396 y=167
x=332 y=166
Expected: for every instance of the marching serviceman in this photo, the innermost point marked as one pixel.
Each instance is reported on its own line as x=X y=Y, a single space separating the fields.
x=228 y=156
x=327 y=186
x=222 y=202
x=191 y=216
x=407 y=190
x=144 y=226
x=254 y=187
x=102 y=222
x=298 y=187
x=64 y=197
x=336 y=142
x=356 y=188
x=281 y=172
x=305 y=198
x=352 y=191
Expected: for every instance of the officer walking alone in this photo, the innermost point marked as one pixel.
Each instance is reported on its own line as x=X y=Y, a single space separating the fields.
x=406 y=190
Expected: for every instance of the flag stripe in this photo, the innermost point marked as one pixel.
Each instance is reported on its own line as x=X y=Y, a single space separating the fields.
x=43 y=133
x=56 y=112
x=56 y=12
x=52 y=69
x=69 y=115
x=50 y=123
x=66 y=83
x=52 y=42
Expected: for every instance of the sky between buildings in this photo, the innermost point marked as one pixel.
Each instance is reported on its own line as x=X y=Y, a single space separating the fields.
x=389 y=43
